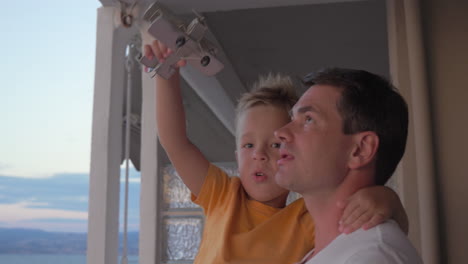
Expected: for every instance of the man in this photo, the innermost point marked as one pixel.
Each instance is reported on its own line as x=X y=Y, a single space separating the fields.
x=348 y=131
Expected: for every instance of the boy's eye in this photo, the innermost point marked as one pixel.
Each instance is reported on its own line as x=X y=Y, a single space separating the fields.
x=276 y=145
x=309 y=119
x=248 y=145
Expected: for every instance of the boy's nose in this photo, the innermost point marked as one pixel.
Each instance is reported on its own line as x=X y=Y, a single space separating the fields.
x=259 y=155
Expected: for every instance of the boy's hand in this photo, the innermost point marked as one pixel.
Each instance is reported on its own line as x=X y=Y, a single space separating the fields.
x=161 y=52
x=369 y=207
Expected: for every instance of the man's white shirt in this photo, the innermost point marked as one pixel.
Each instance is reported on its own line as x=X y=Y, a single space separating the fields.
x=383 y=244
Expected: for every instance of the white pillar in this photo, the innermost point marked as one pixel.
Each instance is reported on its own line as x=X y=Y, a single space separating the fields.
x=407 y=67
x=103 y=220
x=149 y=216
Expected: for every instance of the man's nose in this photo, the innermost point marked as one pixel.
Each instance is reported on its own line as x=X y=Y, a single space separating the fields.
x=282 y=134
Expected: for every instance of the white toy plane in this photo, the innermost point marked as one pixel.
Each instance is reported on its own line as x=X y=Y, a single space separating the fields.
x=188 y=43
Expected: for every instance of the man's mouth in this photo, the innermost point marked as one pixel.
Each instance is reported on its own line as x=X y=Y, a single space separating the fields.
x=284 y=157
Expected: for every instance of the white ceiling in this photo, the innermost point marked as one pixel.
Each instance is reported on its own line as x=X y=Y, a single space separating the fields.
x=186 y=6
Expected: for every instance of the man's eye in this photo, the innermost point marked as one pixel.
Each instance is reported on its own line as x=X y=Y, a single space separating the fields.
x=309 y=119
x=276 y=145
x=248 y=145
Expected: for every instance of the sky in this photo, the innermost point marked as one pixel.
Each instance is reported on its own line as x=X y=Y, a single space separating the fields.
x=47 y=90
x=47 y=76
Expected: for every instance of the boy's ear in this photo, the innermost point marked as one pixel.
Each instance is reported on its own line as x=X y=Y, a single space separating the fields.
x=365 y=149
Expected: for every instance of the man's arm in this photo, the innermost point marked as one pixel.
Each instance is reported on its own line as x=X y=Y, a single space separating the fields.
x=187 y=159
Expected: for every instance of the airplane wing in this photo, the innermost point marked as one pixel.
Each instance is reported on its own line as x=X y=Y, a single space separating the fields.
x=166 y=32
x=206 y=63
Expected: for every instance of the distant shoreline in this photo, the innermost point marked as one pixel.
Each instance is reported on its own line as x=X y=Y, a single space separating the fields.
x=35 y=241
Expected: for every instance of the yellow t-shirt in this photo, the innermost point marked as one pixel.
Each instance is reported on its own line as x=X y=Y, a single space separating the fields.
x=239 y=230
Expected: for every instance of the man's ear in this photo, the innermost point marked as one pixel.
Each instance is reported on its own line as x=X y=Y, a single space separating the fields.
x=365 y=149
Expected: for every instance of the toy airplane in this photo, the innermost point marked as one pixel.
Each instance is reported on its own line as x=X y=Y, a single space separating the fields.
x=187 y=43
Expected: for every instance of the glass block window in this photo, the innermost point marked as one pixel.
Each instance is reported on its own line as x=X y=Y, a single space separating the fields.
x=293 y=196
x=175 y=194
x=182 y=237
x=182 y=220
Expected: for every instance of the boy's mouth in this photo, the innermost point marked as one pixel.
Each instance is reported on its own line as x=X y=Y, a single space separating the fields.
x=260 y=176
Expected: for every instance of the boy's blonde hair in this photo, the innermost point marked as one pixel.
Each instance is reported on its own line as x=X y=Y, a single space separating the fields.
x=273 y=89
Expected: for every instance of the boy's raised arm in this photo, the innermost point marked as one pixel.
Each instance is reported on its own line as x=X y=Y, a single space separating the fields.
x=187 y=159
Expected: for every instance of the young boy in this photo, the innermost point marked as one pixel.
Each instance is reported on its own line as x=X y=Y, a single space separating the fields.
x=247 y=220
